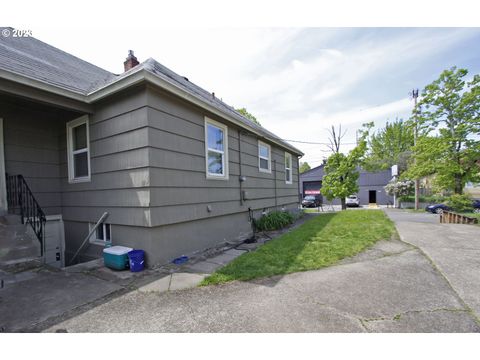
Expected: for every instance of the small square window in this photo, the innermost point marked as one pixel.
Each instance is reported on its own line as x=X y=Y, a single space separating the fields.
x=102 y=234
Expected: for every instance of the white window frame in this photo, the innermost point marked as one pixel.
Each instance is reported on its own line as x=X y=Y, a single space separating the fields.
x=70 y=152
x=269 y=170
x=93 y=238
x=289 y=156
x=224 y=128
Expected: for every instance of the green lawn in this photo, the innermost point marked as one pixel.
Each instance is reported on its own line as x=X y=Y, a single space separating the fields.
x=321 y=241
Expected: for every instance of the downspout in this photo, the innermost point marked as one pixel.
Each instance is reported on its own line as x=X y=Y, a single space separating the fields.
x=275 y=182
x=300 y=192
x=240 y=165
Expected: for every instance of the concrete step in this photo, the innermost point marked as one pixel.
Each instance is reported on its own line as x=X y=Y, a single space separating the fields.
x=10 y=219
x=18 y=243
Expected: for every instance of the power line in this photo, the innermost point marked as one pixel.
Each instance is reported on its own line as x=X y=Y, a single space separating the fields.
x=315 y=143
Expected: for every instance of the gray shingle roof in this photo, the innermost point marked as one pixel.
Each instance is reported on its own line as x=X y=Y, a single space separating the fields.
x=167 y=74
x=37 y=60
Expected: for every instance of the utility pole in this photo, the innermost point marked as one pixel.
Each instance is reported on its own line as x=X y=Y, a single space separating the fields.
x=415 y=134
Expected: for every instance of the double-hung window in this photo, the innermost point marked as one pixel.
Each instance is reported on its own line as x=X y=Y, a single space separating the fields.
x=264 y=157
x=288 y=168
x=78 y=150
x=216 y=150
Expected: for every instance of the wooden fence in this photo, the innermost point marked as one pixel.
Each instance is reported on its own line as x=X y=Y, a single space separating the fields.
x=448 y=217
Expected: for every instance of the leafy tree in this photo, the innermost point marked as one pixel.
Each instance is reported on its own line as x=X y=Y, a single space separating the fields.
x=390 y=146
x=304 y=166
x=341 y=171
x=448 y=123
x=249 y=116
x=460 y=203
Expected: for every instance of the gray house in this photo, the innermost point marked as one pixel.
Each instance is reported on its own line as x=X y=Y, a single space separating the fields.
x=175 y=168
x=371 y=186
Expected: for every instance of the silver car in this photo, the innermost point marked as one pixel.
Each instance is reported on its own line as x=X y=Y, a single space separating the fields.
x=352 y=201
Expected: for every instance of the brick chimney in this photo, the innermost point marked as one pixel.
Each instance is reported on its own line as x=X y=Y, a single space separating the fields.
x=131 y=61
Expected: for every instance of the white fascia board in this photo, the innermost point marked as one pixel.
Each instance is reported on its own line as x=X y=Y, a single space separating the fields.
x=131 y=79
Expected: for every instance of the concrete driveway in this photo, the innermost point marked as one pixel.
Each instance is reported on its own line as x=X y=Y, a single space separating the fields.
x=428 y=286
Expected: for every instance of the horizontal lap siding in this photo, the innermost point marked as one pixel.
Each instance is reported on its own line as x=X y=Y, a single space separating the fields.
x=180 y=191
x=120 y=176
x=31 y=143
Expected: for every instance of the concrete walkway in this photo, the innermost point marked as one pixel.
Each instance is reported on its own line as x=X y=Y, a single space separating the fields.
x=454 y=249
x=392 y=287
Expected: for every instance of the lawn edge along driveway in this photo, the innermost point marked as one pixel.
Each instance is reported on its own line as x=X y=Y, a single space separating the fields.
x=321 y=241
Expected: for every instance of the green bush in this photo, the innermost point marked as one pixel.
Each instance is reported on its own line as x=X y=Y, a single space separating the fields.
x=274 y=220
x=424 y=198
x=460 y=203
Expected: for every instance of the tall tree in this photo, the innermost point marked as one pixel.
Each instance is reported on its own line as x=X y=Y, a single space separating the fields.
x=249 y=116
x=341 y=171
x=448 y=123
x=304 y=166
x=389 y=146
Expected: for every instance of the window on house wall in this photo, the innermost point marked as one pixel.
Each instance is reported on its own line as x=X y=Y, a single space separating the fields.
x=264 y=157
x=288 y=168
x=102 y=235
x=216 y=150
x=78 y=150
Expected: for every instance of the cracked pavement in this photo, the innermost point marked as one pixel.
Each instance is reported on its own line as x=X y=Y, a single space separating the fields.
x=428 y=282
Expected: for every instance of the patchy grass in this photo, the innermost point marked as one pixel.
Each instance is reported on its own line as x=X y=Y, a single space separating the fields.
x=319 y=242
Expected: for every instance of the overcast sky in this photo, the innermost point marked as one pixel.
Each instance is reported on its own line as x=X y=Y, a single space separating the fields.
x=297 y=82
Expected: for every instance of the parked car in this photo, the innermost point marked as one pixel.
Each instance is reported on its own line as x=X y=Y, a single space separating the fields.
x=352 y=201
x=312 y=201
x=440 y=208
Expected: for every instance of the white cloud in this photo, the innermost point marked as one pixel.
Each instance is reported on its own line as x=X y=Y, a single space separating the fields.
x=296 y=81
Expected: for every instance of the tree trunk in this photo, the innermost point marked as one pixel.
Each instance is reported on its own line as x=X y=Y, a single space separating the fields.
x=458 y=184
x=344 y=205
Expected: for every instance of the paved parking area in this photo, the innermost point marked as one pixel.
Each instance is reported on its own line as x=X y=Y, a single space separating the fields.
x=425 y=283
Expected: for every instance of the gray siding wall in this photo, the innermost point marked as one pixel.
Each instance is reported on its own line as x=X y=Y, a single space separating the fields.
x=120 y=176
x=147 y=154
x=32 y=149
x=180 y=191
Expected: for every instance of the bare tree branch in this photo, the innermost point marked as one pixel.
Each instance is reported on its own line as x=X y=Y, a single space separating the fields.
x=336 y=138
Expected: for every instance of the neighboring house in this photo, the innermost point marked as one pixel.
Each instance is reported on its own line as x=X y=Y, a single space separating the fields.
x=175 y=167
x=371 y=186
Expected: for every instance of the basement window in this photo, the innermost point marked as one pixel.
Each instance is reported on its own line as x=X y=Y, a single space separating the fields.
x=288 y=168
x=102 y=235
x=264 y=157
x=78 y=150
x=216 y=150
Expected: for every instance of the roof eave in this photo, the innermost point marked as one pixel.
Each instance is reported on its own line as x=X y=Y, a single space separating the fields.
x=145 y=75
x=37 y=84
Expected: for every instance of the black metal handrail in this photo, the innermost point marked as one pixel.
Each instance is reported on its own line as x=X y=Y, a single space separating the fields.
x=20 y=198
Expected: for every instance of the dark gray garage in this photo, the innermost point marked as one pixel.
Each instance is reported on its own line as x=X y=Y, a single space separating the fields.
x=371 y=186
